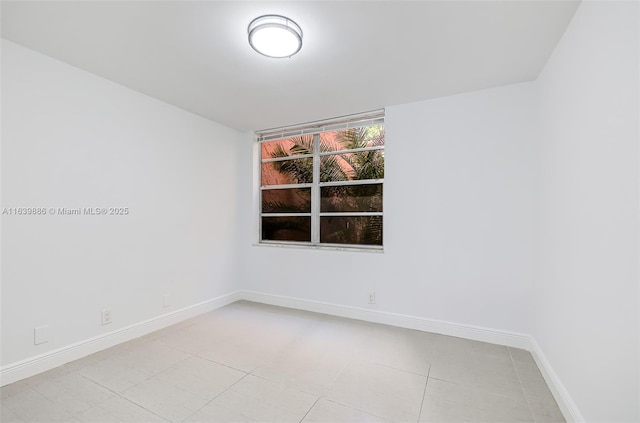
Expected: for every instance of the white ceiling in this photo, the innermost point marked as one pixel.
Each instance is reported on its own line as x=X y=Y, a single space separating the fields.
x=357 y=56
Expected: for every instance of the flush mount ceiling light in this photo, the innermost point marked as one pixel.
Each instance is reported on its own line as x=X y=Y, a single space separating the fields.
x=275 y=36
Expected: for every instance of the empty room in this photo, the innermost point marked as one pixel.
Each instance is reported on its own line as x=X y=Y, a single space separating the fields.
x=320 y=211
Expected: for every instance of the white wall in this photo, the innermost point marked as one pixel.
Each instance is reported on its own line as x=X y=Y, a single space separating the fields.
x=586 y=288
x=458 y=219
x=71 y=139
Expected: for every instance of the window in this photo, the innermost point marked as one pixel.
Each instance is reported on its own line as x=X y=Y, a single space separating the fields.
x=322 y=185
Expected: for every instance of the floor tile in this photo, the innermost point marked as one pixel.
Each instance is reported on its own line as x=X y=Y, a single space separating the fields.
x=328 y=411
x=30 y=406
x=152 y=357
x=541 y=401
x=346 y=334
x=382 y=391
x=450 y=402
x=241 y=354
x=534 y=386
x=131 y=365
x=310 y=366
x=522 y=359
x=199 y=376
x=116 y=375
x=8 y=416
x=73 y=392
x=547 y=414
x=181 y=390
x=13 y=388
x=45 y=376
x=254 y=334
x=82 y=363
x=477 y=364
x=398 y=348
x=448 y=349
x=118 y=410
x=500 y=381
x=254 y=399
x=200 y=335
x=115 y=351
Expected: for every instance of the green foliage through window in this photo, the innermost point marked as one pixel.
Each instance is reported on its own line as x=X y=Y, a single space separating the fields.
x=325 y=188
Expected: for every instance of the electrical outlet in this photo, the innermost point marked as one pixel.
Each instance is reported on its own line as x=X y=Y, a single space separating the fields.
x=372 y=297
x=41 y=335
x=166 y=300
x=106 y=316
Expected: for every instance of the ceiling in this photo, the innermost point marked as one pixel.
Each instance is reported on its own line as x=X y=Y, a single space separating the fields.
x=357 y=55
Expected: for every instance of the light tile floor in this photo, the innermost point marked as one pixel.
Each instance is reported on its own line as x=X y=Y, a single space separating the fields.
x=249 y=362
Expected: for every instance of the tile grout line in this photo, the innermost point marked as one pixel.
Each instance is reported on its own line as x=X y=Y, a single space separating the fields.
x=144 y=408
x=119 y=395
x=424 y=393
x=35 y=389
x=356 y=409
x=277 y=382
x=400 y=370
x=100 y=385
x=132 y=401
x=524 y=393
x=309 y=410
x=222 y=364
x=158 y=372
x=216 y=397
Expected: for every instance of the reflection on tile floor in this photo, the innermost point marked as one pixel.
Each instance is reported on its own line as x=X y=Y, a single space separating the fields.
x=249 y=362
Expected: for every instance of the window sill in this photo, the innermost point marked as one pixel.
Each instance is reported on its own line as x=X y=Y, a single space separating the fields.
x=375 y=250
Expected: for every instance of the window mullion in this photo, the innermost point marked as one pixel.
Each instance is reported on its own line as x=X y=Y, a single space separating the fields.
x=282 y=159
x=353 y=150
x=315 y=192
x=352 y=182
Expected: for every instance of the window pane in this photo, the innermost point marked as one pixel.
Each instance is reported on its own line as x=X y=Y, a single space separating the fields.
x=349 y=139
x=293 y=228
x=363 y=230
x=288 y=147
x=293 y=200
x=352 y=166
x=351 y=198
x=298 y=171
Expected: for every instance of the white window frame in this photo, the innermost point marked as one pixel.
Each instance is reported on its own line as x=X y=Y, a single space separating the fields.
x=315 y=129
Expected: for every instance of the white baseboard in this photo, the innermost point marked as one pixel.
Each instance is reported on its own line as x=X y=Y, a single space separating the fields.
x=565 y=402
x=51 y=359
x=475 y=333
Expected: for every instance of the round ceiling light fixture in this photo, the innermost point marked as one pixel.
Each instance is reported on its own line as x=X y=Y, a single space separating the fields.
x=275 y=36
